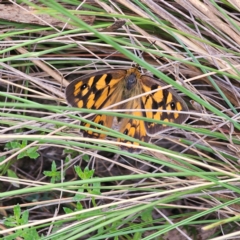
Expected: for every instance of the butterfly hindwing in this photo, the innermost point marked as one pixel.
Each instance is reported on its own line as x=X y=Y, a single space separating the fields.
x=133 y=127
x=104 y=120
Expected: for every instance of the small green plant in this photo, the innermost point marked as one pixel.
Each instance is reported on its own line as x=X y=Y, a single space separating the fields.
x=20 y=219
x=53 y=174
x=85 y=174
x=79 y=207
x=17 y=145
x=71 y=153
x=92 y=189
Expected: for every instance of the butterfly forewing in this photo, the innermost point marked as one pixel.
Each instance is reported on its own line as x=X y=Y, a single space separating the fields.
x=96 y=91
x=164 y=105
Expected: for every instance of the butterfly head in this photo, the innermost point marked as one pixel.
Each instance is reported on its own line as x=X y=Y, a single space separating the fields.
x=131 y=79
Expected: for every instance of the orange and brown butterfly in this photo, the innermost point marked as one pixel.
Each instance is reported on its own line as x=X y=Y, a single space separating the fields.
x=104 y=88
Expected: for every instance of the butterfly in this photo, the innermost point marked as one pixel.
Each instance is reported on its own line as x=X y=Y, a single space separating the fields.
x=101 y=89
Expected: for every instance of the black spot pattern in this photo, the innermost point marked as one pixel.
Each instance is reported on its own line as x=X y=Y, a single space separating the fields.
x=172 y=105
x=108 y=79
x=98 y=93
x=154 y=86
x=96 y=78
x=165 y=95
x=155 y=105
x=83 y=86
x=100 y=122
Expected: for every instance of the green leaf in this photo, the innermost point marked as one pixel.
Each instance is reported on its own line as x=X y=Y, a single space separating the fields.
x=34 y=155
x=12 y=145
x=10 y=222
x=67 y=159
x=79 y=206
x=30 y=234
x=54 y=167
x=25 y=216
x=67 y=210
x=21 y=155
x=147 y=215
x=24 y=143
x=17 y=212
x=86 y=157
x=32 y=152
x=2 y=158
x=78 y=196
x=54 y=174
x=12 y=174
x=79 y=172
x=88 y=173
x=96 y=188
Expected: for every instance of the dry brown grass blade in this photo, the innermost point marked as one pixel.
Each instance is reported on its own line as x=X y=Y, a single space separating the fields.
x=209 y=13
x=25 y=14
x=43 y=66
x=235 y=3
x=198 y=47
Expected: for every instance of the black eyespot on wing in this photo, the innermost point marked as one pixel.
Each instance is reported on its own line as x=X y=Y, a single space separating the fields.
x=83 y=86
x=125 y=132
x=100 y=122
x=173 y=105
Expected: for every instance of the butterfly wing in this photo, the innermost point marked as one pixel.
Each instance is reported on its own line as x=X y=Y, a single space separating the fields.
x=155 y=103
x=133 y=127
x=96 y=91
x=163 y=99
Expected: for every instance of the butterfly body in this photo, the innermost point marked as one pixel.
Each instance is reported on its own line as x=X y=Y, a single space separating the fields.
x=104 y=88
